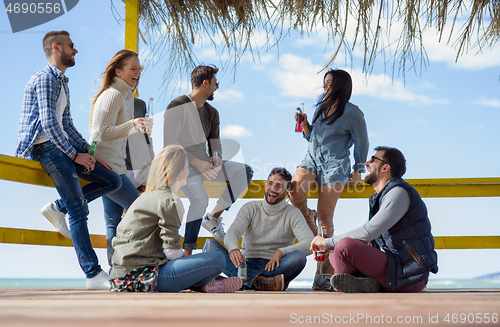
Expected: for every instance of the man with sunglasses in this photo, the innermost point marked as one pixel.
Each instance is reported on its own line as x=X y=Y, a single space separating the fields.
x=402 y=252
x=47 y=134
x=269 y=228
x=191 y=122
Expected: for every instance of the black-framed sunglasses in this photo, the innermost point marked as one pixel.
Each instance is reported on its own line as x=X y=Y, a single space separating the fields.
x=71 y=45
x=373 y=159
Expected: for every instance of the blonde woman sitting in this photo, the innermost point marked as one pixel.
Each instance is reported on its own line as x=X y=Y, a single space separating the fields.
x=147 y=250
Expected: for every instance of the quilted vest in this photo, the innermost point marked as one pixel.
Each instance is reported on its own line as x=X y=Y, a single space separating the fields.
x=409 y=244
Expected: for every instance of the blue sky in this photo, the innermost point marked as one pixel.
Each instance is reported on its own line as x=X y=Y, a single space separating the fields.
x=444 y=120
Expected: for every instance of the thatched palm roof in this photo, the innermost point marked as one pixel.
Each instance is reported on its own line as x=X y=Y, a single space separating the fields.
x=392 y=28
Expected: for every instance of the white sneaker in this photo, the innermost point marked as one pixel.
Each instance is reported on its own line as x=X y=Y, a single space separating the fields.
x=56 y=217
x=99 y=282
x=214 y=226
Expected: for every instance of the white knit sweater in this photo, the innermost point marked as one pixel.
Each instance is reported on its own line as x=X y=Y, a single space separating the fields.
x=112 y=122
x=266 y=228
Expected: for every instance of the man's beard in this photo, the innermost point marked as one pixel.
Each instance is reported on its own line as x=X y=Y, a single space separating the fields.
x=210 y=97
x=278 y=199
x=372 y=177
x=67 y=60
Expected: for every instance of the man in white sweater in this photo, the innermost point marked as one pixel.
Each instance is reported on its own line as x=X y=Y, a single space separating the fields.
x=269 y=228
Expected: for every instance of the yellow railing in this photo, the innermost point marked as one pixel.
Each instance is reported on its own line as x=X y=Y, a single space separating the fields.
x=30 y=172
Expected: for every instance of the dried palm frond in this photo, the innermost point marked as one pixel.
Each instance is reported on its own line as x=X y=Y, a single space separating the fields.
x=172 y=28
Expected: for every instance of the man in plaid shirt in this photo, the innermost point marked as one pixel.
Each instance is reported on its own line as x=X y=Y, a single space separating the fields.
x=47 y=134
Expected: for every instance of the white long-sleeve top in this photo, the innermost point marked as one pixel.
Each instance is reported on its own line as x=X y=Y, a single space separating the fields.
x=393 y=206
x=112 y=122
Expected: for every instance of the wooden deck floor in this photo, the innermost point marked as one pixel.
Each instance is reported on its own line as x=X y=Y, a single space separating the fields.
x=79 y=307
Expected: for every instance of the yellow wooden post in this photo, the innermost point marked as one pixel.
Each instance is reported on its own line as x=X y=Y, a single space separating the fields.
x=132 y=25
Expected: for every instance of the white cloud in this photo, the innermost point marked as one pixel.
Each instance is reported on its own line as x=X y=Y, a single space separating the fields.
x=297 y=77
x=383 y=87
x=235 y=131
x=229 y=95
x=487 y=102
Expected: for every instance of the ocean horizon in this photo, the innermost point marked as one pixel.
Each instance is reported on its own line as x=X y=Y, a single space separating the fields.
x=11 y=283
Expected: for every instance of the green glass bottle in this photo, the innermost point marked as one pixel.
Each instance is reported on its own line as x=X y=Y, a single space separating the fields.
x=92 y=153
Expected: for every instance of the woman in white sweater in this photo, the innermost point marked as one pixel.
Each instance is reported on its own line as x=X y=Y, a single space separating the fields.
x=112 y=120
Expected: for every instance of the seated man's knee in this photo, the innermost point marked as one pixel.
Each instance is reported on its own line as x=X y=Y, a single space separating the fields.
x=345 y=244
x=199 y=200
x=212 y=245
x=298 y=258
x=114 y=183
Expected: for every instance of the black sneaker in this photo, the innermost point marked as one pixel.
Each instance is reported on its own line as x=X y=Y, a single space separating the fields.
x=349 y=284
x=322 y=281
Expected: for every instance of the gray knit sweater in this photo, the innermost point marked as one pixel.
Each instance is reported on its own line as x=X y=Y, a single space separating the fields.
x=266 y=228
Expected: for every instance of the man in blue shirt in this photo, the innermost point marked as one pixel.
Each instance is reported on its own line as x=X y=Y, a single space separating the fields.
x=47 y=134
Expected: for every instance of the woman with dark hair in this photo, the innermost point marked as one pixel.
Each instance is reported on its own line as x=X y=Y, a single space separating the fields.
x=337 y=125
x=111 y=121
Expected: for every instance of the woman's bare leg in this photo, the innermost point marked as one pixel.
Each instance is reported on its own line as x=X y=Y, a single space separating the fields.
x=327 y=201
x=302 y=181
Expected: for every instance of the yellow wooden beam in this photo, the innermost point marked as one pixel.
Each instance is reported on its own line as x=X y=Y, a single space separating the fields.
x=467 y=242
x=23 y=171
x=40 y=237
x=132 y=25
x=31 y=172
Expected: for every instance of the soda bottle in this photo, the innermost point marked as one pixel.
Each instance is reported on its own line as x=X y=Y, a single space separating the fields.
x=242 y=268
x=320 y=254
x=92 y=153
x=298 y=124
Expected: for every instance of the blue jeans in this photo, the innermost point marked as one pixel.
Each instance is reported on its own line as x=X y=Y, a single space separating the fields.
x=65 y=175
x=238 y=176
x=191 y=271
x=114 y=204
x=291 y=265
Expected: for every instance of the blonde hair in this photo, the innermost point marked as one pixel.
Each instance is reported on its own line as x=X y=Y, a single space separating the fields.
x=166 y=167
x=118 y=61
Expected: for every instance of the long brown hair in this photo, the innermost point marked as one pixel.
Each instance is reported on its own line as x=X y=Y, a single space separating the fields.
x=339 y=93
x=118 y=61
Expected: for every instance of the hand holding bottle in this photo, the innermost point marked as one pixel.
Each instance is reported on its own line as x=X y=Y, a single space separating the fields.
x=242 y=268
x=299 y=118
x=319 y=254
x=90 y=167
x=148 y=128
x=301 y=125
x=144 y=125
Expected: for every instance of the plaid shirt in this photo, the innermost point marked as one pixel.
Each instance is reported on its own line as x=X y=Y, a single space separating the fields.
x=39 y=113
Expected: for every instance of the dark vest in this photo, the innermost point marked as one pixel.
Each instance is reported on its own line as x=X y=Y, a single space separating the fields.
x=409 y=244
